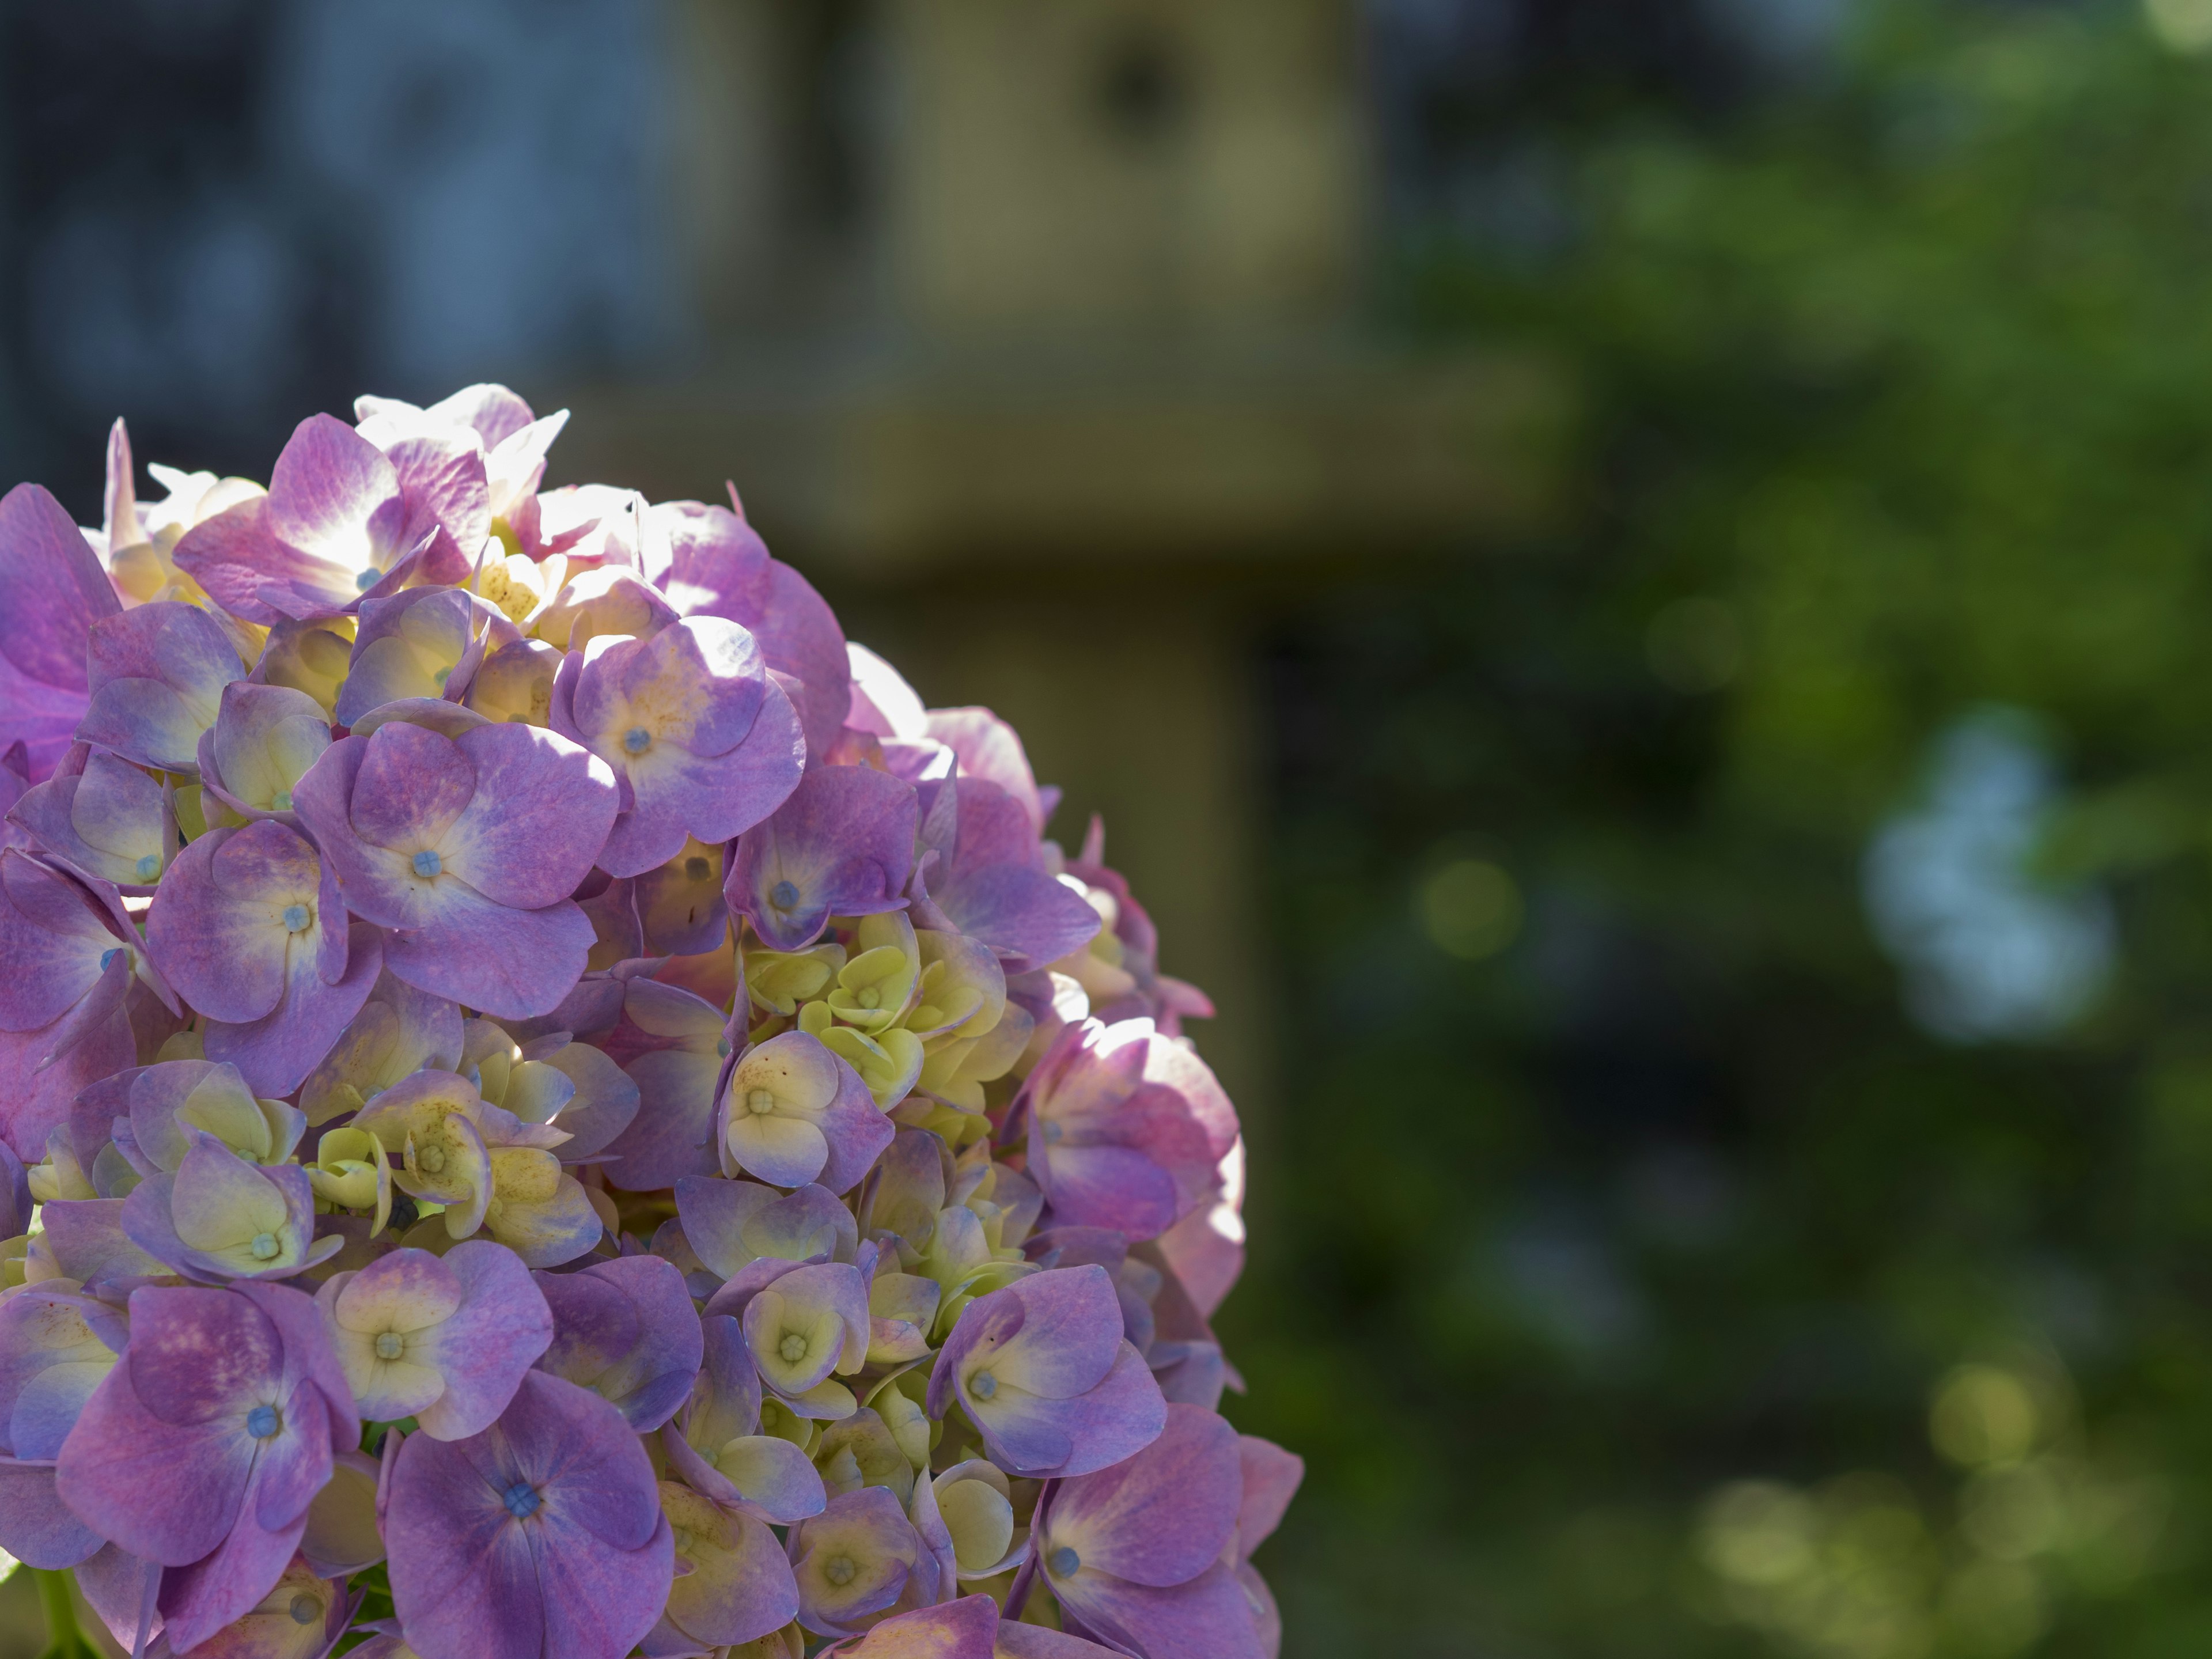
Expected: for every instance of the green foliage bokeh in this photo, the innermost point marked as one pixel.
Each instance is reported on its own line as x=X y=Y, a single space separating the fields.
x=1655 y=1284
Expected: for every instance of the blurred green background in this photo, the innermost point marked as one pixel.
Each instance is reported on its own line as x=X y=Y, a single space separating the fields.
x=1649 y=1261
x=1634 y=581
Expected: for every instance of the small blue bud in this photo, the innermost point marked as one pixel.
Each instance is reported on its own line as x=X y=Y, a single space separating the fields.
x=428 y=864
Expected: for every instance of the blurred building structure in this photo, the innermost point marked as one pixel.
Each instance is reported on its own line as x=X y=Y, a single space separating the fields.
x=1036 y=333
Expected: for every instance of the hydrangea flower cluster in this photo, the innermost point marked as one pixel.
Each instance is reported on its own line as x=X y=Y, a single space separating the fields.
x=550 y=1106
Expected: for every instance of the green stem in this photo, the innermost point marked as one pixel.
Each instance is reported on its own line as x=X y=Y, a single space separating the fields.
x=63 y=1639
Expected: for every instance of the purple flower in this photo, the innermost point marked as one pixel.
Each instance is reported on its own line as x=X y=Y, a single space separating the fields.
x=1271 y=1479
x=1043 y=1372
x=52 y=591
x=342 y=522
x=804 y=1326
x=717 y=566
x=468 y=849
x=672 y=1045
x=734 y=1582
x=703 y=742
x=205 y=1446
x=984 y=876
x=1018 y=1641
x=795 y=1113
x=249 y=928
x=853 y=1560
x=72 y=957
x=56 y=1347
x=540 y=1538
x=425 y=642
x=399 y=1031
x=445 y=1340
x=730 y=1225
x=157 y=675
x=842 y=845
x=218 y=1217
x=627 y=1329
x=714 y=1444
x=106 y=820
x=264 y=739
x=1135 y=1552
x=161 y=1106
x=1127 y=1129
x=987 y=748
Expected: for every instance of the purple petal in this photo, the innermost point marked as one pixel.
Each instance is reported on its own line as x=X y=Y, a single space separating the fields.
x=157 y=675
x=87 y=1242
x=1029 y=917
x=442 y=479
x=1020 y=1641
x=277 y=1051
x=1127 y=1127
x=718 y=567
x=1208 y=1617
x=1158 y=1518
x=867 y=1531
x=842 y=844
x=502 y=1327
x=222 y=928
x=1270 y=1479
x=335 y=498
x=604 y=1099
x=199 y=1600
x=263 y=742
x=1069 y=1339
x=52 y=591
x=541 y=812
x=34 y=1098
x=989 y=749
x=113 y=821
x=591 y=1560
x=740 y=1586
x=53 y=936
x=412 y=786
x=415 y=644
x=35 y=1526
x=512 y=965
x=399 y=1031
x=627 y=1329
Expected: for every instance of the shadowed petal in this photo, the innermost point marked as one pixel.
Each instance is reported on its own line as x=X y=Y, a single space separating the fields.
x=842 y=844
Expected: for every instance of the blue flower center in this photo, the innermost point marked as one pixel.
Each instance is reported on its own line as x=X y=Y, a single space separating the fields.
x=783 y=896
x=262 y=1422
x=265 y=1247
x=521 y=1500
x=637 y=740
x=149 y=867
x=428 y=864
x=367 y=579
x=295 y=917
x=304 y=1609
x=982 y=1385
x=108 y=956
x=1063 y=1562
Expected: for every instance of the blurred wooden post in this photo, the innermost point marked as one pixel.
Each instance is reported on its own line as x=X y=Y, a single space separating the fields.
x=1034 y=342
